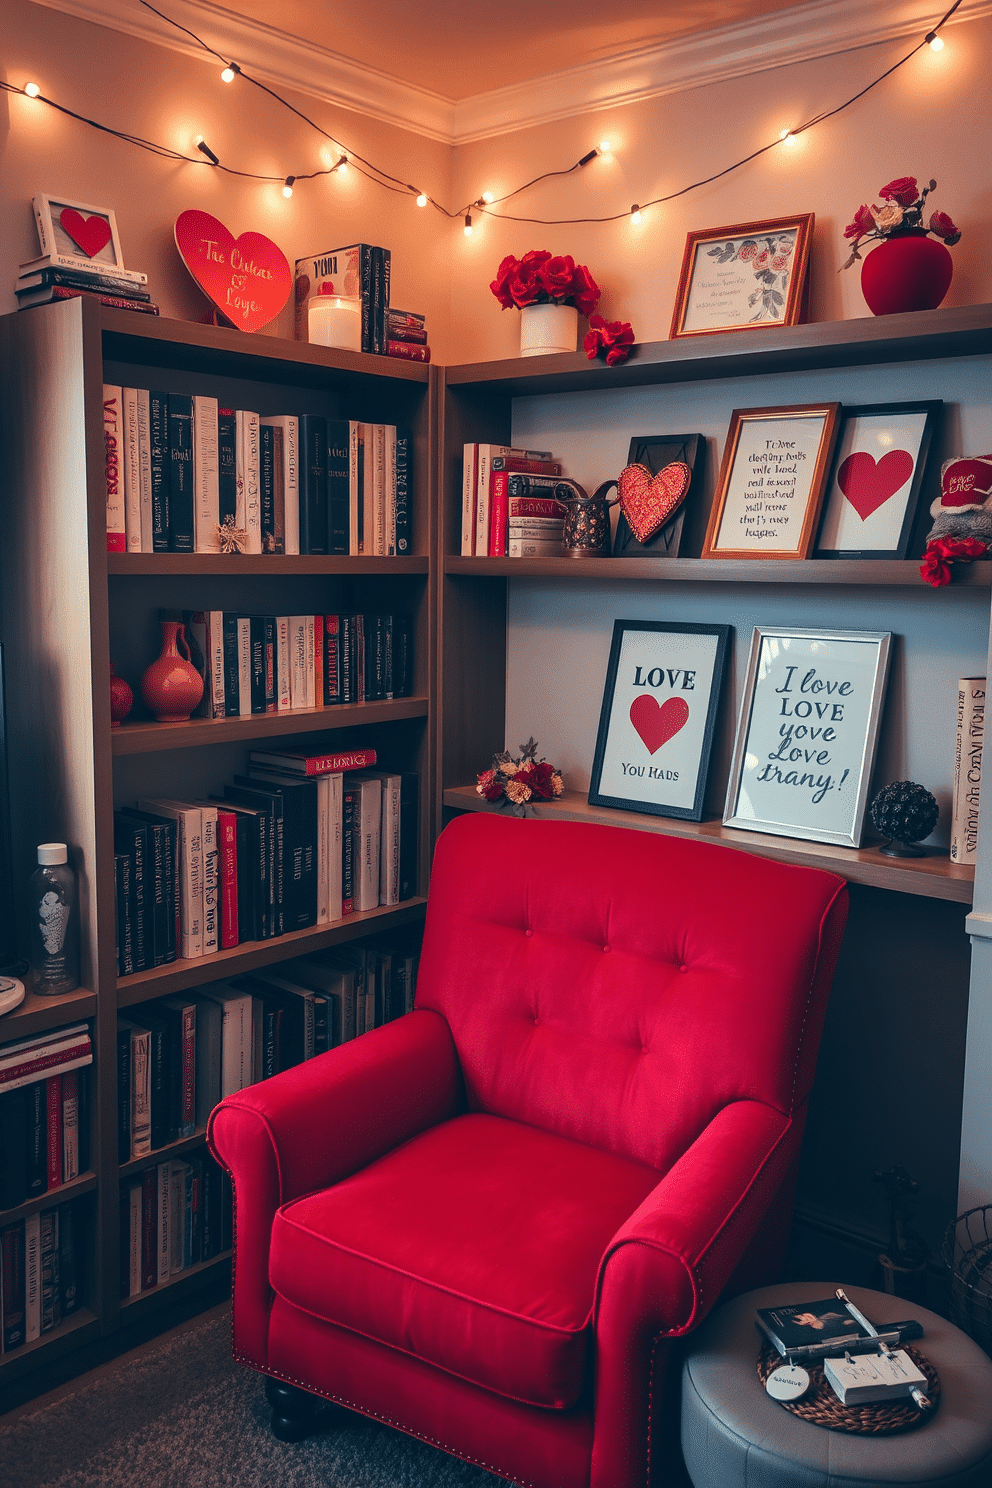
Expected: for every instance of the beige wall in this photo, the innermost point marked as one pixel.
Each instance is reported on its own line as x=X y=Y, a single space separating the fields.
x=163 y=95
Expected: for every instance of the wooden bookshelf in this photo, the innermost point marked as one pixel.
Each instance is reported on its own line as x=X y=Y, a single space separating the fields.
x=890 y=573
x=152 y=737
x=38 y=1014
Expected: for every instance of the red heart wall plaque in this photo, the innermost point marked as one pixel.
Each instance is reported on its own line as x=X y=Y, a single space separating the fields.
x=868 y=485
x=247 y=278
x=648 y=501
x=656 y=722
x=88 y=233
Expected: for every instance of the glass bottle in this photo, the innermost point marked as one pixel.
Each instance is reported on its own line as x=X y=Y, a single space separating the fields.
x=54 y=922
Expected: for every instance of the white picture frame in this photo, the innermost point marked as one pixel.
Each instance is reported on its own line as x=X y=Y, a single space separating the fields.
x=807 y=733
x=55 y=238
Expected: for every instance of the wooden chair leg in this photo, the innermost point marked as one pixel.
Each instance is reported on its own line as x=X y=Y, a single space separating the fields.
x=296 y=1414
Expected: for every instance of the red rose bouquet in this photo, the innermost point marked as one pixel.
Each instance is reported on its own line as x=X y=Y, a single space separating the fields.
x=611 y=339
x=517 y=783
x=541 y=278
x=901 y=210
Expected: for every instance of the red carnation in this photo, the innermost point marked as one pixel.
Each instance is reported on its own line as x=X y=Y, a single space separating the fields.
x=937 y=560
x=942 y=227
x=863 y=223
x=903 y=190
x=585 y=292
x=540 y=780
x=612 y=337
x=501 y=284
x=556 y=276
x=489 y=787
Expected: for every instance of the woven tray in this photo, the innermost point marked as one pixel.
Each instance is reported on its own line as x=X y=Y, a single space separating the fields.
x=821 y=1407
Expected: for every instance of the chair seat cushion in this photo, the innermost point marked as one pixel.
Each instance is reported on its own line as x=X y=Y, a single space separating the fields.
x=474 y=1246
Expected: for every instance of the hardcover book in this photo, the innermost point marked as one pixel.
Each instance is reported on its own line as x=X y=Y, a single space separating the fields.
x=800 y=1324
x=966 y=797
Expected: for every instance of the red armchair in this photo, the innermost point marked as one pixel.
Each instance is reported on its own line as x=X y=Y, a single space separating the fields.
x=485 y=1223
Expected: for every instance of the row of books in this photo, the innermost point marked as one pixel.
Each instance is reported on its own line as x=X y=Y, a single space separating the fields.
x=39 y=1274
x=276 y=663
x=184 y=475
x=173 y=1216
x=44 y=1113
x=178 y=1056
x=968 y=744
x=407 y=336
x=280 y=849
x=63 y=276
x=508 y=501
x=359 y=271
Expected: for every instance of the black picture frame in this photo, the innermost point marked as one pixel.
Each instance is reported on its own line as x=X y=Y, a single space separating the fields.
x=911 y=500
x=655 y=451
x=660 y=659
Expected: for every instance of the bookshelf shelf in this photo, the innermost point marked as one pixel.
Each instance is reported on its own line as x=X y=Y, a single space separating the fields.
x=80 y=1328
x=163 y=1154
x=150 y=738
x=74 y=1189
x=935 y=877
x=38 y=1014
x=177 y=1286
x=834 y=572
x=269 y=566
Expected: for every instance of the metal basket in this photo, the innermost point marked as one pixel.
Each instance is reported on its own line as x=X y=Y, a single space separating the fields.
x=967 y=1254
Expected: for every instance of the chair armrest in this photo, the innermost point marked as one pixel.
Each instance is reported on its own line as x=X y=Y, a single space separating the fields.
x=313 y=1125
x=668 y=1263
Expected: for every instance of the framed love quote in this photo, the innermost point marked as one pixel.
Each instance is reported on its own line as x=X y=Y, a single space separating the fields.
x=772 y=481
x=659 y=710
x=879 y=478
x=744 y=277
x=75 y=230
x=807 y=733
x=644 y=528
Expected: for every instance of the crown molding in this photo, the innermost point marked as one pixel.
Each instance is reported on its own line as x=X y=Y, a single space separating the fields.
x=800 y=34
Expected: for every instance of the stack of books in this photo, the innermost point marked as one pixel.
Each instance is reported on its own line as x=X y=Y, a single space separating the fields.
x=40 y=1275
x=509 y=508
x=407 y=336
x=173 y=1216
x=44 y=1113
x=184 y=475
x=58 y=276
x=298 y=841
x=360 y=271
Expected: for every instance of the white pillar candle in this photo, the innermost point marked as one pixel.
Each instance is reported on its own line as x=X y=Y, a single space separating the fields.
x=335 y=320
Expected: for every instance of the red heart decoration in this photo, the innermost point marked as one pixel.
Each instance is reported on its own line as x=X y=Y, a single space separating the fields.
x=88 y=233
x=868 y=485
x=648 y=501
x=247 y=278
x=656 y=722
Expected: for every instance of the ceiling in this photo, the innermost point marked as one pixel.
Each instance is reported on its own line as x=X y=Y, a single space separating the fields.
x=456 y=48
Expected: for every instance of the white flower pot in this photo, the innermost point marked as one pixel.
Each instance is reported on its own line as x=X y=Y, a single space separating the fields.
x=548 y=328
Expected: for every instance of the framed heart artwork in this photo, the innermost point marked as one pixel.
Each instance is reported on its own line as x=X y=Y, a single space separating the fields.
x=75 y=230
x=878 y=487
x=659 y=711
x=656 y=452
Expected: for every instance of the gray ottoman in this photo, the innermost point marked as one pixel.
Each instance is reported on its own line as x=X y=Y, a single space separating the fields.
x=735 y=1436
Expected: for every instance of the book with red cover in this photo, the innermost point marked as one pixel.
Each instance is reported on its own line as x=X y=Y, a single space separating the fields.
x=522 y=466
x=314 y=764
x=227 y=845
x=503 y=506
x=65 y=292
x=53 y=1100
x=408 y=350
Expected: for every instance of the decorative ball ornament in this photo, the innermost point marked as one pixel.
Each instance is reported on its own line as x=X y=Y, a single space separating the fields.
x=905 y=813
x=121 y=699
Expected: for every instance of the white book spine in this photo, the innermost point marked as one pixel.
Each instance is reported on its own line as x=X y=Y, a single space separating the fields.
x=291 y=464
x=310 y=661
x=969 y=739
x=533 y=547
x=235 y=1047
x=215 y=641
x=164 y=1184
x=206 y=491
x=367 y=886
x=379 y=490
x=390 y=490
x=211 y=898
x=32 y=1277
x=486 y=452
x=469 y=465
x=132 y=470
x=113 y=459
x=366 y=509
x=70 y=1128
x=145 y=469
x=335 y=832
x=389 y=849
x=298 y=660
x=283 y=665
x=323 y=845
x=252 y=482
x=244 y=665
x=134 y=1238
x=354 y=475
x=240 y=484
x=141 y=1092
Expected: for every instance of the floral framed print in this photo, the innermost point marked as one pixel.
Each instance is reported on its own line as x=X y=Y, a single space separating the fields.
x=879 y=476
x=659 y=710
x=807 y=733
x=75 y=230
x=744 y=277
x=772 y=480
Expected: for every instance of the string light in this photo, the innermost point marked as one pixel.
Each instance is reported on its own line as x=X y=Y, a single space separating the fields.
x=230 y=72
x=635 y=213
x=468 y=224
x=936 y=42
x=341 y=166
x=202 y=145
x=422 y=199
x=488 y=198
x=32 y=90
x=287 y=189
x=604 y=147
x=787 y=137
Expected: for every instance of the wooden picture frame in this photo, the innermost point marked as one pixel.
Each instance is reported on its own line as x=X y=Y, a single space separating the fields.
x=655 y=451
x=744 y=277
x=807 y=733
x=54 y=237
x=879 y=480
x=772 y=481
x=659 y=710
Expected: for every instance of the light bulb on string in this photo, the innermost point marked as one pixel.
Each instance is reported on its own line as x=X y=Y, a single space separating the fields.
x=422 y=199
x=787 y=137
x=32 y=90
x=287 y=189
x=635 y=213
x=205 y=149
x=468 y=224
x=230 y=72
x=488 y=198
x=604 y=147
x=936 y=42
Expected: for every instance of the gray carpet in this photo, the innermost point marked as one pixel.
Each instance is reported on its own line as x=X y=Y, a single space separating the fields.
x=179 y=1413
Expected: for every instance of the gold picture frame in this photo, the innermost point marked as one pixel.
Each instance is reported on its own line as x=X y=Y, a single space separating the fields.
x=744 y=277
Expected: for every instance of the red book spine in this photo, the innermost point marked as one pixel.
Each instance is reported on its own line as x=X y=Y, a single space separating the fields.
x=409 y=351
x=113 y=464
x=227 y=837
x=53 y=1100
x=526 y=467
x=535 y=506
x=149 y=1229
x=332 y=660
x=499 y=512
x=333 y=764
x=42 y=1061
x=116 y=302
x=318 y=660
x=187 y=1115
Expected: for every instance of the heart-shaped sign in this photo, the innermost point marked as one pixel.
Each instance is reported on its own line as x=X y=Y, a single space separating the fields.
x=247 y=278
x=868 y=484
x=648 y=501
x=656 y=722
x=88 y=233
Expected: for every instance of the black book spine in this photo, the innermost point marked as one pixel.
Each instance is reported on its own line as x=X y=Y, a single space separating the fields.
x=404 y=490
x=156 y=895
x=196 y=1215
x=13 y=1148
x=68 y=1270
x=263 y=858
x=109 y=283
x=320 y=1026
x=125 y=921
x=158 y=448
x=409 y=815
x=348 y=850
x=267 y=491
x=271 y=664
x=402 y=655
x=388 y=680
x=232 y=671
x=338 y=479
x=227 y=464
x=332 y=660
x=36 y=1122
x=378 y=307
x=255 y=793
x=123 y=1095
x=173 y=1022
x=257 y=640
x=313 y=483
x=375 y=658
x=170 y=870
x=347 y=659
x=12 y=1249
x=249 y=894
x=180 y=473
x=366 y=271
x=158 y=1059
x=386 y=272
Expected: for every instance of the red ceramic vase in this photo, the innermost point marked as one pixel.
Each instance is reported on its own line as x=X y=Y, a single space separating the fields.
x=907 y=271
x=172 y=686
x=121 y=699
